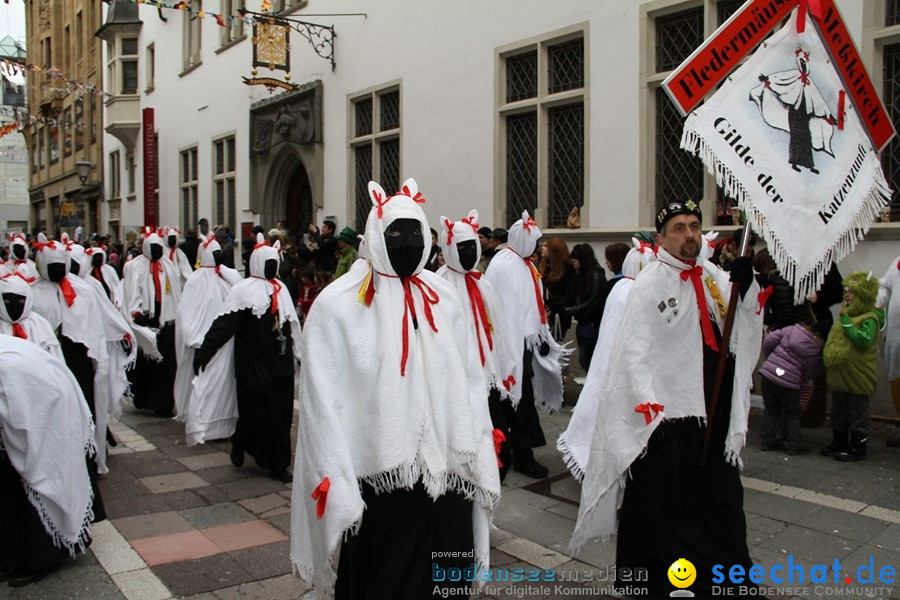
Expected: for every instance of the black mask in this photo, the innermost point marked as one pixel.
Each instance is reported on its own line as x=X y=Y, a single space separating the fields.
x=19 y=251
x=97 y=260
x=218 y=257
x=56 y=272
x=405 y=245
x=74 y=267
x=270 y=269
x=172 y=240
x=468 y=254
x=15 y=305
x=155 y=251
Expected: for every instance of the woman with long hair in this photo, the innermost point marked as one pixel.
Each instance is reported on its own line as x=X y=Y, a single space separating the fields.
x=558 y=277
x=589 y=282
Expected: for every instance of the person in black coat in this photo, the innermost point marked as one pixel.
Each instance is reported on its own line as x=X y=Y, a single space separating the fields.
x=189 y=246
x=589 y=282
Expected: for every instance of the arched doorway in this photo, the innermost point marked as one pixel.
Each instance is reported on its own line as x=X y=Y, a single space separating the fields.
x=298 y=204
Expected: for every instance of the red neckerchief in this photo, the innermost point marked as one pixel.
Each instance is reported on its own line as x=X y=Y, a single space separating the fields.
x=695 y=274
x=20 y=261
x=98 y=273
x=479 y=312
x=216 y=267
x=429 y=297
x=535 y=275
x=19 y=331
x=67 y=290
x=172 y=253
x=276 y=288
x=155 y=268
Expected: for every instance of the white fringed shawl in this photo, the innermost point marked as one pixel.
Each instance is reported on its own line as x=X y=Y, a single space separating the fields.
x=362 y=421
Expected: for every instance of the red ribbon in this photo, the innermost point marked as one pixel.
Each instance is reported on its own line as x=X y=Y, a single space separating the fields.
x=471 y=223
x=499 y=438
x=509 y=382
x=650 y=410
x=528 y=223
x=535 y=275
x=695 y=274
x=763 y=297
x=172 y=253
x=419 y=198
x=645 y=246
x=19 y=331
x=38 y=246
x=277 y=288
x=380 y=202
x=449 y=224
x=218 y=270
x=155 y=268
x=815 y=9
x=429 y=297
x=68 y=293
x=479 y=312
x=842 y=100
x=20 y=276
x=320 y=495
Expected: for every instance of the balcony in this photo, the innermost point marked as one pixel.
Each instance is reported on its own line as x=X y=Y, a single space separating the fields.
x=123 y=118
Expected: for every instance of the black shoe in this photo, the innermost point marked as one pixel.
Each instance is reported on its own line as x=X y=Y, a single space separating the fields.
x=814 y=170
x=530 y=468
x=851 y=455
x=237 y=456
x=29 y=577
x=283 y=476
x=7 y=573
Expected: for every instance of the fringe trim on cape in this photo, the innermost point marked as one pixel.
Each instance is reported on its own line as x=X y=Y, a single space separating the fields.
x=562 y=444
x=877 y=196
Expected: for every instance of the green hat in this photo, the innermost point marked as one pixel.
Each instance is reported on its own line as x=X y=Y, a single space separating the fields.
x=349 y=236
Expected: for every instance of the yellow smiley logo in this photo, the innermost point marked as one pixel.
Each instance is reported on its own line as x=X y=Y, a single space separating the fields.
x=682 y=573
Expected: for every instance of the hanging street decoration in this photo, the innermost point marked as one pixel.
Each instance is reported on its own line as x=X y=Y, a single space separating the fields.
x=793 y=135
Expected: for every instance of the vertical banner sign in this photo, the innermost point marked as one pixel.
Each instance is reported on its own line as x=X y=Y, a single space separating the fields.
x=150 y=208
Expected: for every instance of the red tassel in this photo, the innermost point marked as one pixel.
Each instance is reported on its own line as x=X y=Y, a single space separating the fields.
x=650 y=410
x=320 y=495
x=842 y=99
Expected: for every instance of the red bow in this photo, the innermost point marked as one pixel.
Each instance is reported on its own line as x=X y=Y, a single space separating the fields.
x=155 y=268
x=19 y=331
x=20 y=276
x=380 y=202
x=38 y=246
x=695 y=274
x=68 y=293
x=509 y=382
x=645 y=246
x=429 y=297
x=479 y=312
x=419 y=198
x=499 y=438
x=528 y=223
x=650 y=410
x=763 y=298
x=449 y=224
x=471 y=223
x=320 y=495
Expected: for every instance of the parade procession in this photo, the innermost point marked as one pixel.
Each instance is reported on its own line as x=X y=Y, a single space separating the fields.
x=488 y=301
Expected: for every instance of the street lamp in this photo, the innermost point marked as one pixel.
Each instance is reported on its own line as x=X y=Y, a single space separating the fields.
x=83 y=167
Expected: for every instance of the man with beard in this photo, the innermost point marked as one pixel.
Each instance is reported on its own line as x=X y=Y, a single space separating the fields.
x=650 y=428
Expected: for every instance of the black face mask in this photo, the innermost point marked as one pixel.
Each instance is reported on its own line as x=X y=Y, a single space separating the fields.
x=15 y=305
x=468 y=254
x=271 y=268
x=405 y=245
x=97 y=260
x=19 y=251
x=218 y=257
x=156 y=251
x=172 y=240
x=56 y=272
x=74 y=267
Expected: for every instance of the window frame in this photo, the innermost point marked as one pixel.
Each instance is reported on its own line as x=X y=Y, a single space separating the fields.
x=226 y=178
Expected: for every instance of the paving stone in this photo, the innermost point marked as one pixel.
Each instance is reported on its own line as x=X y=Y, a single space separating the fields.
x=211 y=494
x=596 y=553
x=150 y=463
x=275 y=588
x=546 y=529
x=270 y=560
x=206 y=460
x=810 y=545
x=564 y=509
x=225 y=473
x=173 y=482
x=284 y=510
x=202 y=574
x=73 y=581
x=184 y=499
x=781 y=509
x=879 y=558
x=226 y=513
x=141 y=585
x=498 y=535
x=888 y=539
x=112 y=551
x=281 y=522
x=265 y=503
x=533 y=553
x=838 y=522
x=251 y=487
x=154 y=524
x=174 y=547
x=243 y=535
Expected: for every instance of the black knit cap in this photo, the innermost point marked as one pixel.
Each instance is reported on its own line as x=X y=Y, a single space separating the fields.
x=673 y=209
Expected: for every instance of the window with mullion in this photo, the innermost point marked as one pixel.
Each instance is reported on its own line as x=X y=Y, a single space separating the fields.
x=566 y=162
x=891 y=13
x=677 y=36
x=890 y=156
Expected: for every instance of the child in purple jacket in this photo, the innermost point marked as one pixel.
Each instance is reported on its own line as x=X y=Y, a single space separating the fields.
x=793 y=355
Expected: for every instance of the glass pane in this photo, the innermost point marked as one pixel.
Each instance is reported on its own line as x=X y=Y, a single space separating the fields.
x=194 y=164
x=185 y=167
x=186 y=208
x=232 y=206
x=521 y=165
x=362 y=177
x=726 y=8
x=68 y=132
x=79 y=124
x=389 y=171
x=677 y=35
x=220 y=158
x=195 y=210
x=220 y=202
x=890 y=156
x=390 y=111
x=521 y=76
x=129 y=46
x=363 y=117
x=679 y=176
x=566 y=161
x=565 y=66
x=129 y=76
x=892 y=13
x=230 y=147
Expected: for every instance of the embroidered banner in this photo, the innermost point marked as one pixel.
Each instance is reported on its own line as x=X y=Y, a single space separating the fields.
x=784 y=138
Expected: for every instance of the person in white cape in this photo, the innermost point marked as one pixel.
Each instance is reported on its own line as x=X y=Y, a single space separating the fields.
x=17 y=318
x=395 y=456
x=462 y=251
x=105 y=273
x=151 y=290
x=48 y=503
x=539 y=359
x=259 y=316
x=201 y=301
x=95 y=349
x=176 y=254
x=18 y=261
x=650 y=426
